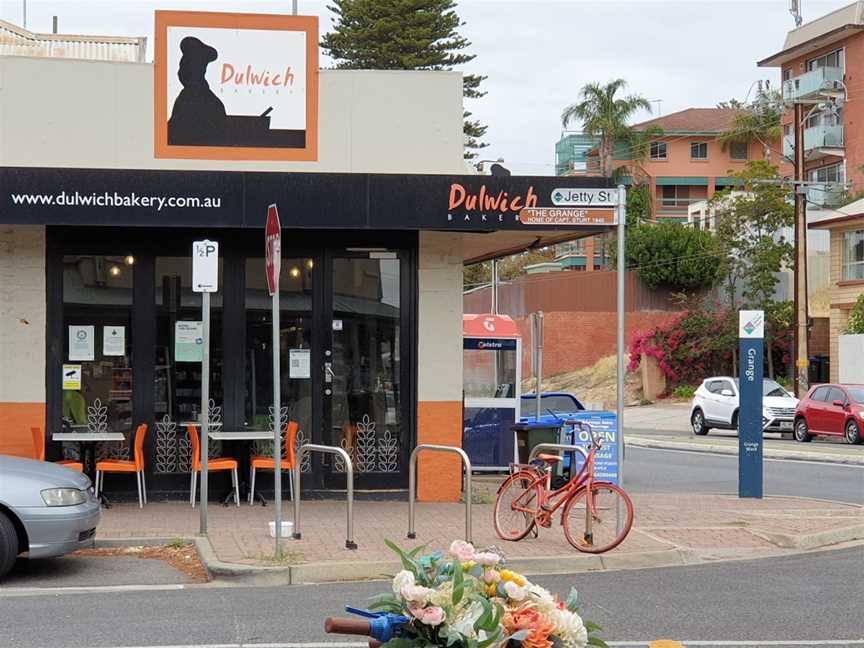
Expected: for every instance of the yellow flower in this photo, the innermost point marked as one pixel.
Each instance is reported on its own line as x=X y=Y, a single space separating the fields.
x=466 y=566
x=513 y=577
x=491 y=590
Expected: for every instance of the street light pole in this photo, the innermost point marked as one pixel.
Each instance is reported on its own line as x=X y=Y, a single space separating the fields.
x=802 y=361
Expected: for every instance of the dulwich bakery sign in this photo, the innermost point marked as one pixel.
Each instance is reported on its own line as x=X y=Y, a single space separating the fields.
x=236 y=86
x=561 y=207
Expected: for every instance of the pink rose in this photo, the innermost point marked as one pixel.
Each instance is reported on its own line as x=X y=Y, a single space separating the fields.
x=416 y=593
x=487 y=558
x=432 y=616
x=491 y=576
x=462 y=550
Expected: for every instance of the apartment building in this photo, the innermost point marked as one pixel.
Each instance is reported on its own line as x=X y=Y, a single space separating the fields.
x=819 y=65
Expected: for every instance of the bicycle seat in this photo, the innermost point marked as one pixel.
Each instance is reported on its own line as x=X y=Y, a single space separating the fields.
x=549 y=458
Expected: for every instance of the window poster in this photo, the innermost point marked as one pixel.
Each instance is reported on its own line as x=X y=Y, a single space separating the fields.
x=82 y=344
x=299 y=363
x=72 y=377
x=189 y=341
x=114 y=341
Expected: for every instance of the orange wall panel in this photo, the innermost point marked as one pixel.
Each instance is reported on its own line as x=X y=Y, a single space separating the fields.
x=16 y=419
x=439 y=474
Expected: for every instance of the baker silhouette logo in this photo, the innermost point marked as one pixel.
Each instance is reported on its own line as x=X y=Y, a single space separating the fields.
x=199 y=118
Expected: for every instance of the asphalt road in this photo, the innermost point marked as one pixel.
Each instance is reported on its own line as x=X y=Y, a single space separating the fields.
x=808 y=597
x=656 y=471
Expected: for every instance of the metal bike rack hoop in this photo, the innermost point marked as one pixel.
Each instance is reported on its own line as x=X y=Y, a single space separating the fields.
x=412 y=484
x=349 y=473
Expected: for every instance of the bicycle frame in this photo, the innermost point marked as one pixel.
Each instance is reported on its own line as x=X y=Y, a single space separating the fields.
x=583 y=479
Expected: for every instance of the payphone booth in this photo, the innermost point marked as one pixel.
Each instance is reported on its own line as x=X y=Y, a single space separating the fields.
x=491 y=379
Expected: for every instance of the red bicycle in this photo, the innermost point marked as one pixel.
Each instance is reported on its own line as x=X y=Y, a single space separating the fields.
x=527 y=501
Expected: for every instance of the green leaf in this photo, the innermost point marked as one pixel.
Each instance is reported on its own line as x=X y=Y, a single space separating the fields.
x=387 y=602
x=572 y=600
x=522 y=635
x=407 y=562
x=597 y=641
x=416 y=550
x=494 y=637
x=590 y=626
x=458 y=582
x=483 y=623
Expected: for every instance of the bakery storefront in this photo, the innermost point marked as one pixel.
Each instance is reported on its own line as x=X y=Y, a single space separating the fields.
x=100 y=202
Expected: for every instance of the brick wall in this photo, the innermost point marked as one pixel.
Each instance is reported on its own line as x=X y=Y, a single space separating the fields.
x=578 y=340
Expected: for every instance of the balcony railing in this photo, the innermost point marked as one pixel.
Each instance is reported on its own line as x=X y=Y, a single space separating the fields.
x=813 y=84
x=830 y=194
x=816 y=138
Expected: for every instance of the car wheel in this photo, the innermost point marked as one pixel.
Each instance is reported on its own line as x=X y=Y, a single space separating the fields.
x=8 y=545
x=802 y=432
x=735 y=420
x=697 y=422
x=853 y=433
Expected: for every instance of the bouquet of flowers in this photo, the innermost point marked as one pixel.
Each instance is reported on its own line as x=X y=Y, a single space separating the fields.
x=468 y=599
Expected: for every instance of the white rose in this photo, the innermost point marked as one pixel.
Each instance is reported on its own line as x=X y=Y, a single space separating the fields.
x=416 y=594
x=570 y=628
x=515 y=592
x=402 y=580
x=544 y=600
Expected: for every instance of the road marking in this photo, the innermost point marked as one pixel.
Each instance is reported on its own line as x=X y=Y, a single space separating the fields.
x=735 y=456
x=38 y=591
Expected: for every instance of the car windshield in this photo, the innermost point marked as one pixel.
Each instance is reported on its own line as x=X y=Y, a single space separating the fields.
x=771 y=388
x=856 y=394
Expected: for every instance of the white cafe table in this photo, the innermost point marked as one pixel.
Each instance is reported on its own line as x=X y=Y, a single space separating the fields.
x=86 y=447
x=238 y=435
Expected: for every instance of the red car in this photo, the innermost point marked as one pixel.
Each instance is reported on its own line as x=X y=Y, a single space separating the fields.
x=831 y=410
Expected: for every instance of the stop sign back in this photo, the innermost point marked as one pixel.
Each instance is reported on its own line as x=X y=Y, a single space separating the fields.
x=273 y=249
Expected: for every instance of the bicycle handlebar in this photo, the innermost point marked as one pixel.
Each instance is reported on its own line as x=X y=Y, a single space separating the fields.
x=596 y=440
x=335 y=625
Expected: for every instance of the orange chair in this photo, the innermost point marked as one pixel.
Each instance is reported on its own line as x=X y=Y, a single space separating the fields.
x=39 y=447
x=268 y=463
x=125 y=466
x=213 y=465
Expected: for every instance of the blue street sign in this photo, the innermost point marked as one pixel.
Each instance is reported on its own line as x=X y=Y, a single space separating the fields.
x=606 y=460
x=751 y=333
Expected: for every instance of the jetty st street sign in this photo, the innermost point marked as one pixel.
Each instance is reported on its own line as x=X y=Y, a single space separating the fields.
x=575 y=197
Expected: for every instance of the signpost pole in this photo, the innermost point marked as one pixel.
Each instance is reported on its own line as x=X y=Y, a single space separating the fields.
x=622 y=265
x=205 y=406
x=751 y=332
x=277 y=422
x=273 y=256
x=205 y=279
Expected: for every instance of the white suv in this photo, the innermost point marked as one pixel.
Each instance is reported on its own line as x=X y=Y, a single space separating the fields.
x=715 y=405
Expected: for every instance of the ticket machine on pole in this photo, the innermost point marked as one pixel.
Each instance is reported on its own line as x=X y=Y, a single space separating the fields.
x=491 y=388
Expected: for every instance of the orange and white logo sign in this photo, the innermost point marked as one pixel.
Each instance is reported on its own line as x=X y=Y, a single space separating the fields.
x=236 y=86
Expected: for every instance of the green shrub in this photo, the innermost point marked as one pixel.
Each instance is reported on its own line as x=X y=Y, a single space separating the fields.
x=684 y=391
x=673 y=255
x=856 y=317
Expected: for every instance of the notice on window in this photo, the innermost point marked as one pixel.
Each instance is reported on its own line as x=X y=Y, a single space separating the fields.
x=72 y=377
x=114 y=340
x=82 y=344
x=189 y=341
x=299 y=363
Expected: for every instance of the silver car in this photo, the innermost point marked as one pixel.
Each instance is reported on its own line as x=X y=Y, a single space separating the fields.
x=45 y=510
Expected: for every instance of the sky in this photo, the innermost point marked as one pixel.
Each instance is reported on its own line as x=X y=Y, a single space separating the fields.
x=537 y=54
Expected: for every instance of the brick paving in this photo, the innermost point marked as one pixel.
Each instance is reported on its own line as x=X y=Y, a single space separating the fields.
x=709 y=522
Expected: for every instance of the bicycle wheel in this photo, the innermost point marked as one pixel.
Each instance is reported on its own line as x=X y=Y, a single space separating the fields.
x=600 y=533
x=517 y=503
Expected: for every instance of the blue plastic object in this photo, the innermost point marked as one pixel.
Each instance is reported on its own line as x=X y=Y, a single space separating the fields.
x=383 y=626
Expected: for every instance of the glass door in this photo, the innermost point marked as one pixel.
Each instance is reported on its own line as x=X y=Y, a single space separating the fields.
x=363 y=369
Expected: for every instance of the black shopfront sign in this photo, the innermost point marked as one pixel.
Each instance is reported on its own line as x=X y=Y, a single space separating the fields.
x=142 y=198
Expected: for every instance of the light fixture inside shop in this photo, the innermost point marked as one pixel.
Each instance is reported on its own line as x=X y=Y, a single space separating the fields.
x=310 y=264
x=129 y=260
x=115 y=271
x=294 y=272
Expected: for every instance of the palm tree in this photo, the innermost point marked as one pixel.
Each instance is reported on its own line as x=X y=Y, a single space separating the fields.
x=604 y=116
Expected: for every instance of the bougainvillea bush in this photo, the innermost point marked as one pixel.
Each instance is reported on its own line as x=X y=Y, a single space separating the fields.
x=702 y=343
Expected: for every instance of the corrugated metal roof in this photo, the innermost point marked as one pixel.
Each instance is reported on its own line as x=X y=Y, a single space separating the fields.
x=16 y=41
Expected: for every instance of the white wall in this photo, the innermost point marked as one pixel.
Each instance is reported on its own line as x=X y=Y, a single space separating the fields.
x=851 y=354
x=440 y=317
x=22 y=314
x=68 y=113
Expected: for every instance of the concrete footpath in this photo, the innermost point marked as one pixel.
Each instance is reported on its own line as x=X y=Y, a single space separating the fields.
x=668 y=530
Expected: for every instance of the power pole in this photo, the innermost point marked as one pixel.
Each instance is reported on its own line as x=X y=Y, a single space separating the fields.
x=802 y=357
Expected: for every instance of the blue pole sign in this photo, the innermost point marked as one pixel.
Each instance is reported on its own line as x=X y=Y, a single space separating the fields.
x=751 y=332
x=604 y=424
